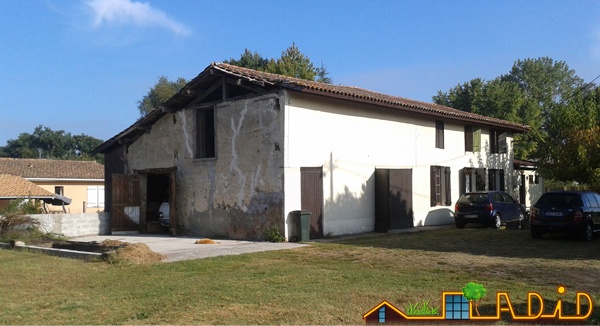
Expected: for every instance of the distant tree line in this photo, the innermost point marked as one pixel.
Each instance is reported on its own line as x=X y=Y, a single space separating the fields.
x=52 y=144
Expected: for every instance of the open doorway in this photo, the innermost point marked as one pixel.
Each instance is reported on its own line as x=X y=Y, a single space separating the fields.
x=158 y=199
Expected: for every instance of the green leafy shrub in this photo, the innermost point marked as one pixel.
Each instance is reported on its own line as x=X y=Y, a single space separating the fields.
x=22 y=206
x=16 y=224
x=272 y=234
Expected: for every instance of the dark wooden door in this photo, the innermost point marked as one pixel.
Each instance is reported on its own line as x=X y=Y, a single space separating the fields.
x=125 y=196
x=393 y=199
x=311 y=193
x=400 y=192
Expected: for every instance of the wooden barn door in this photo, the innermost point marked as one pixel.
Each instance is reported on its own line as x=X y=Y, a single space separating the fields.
x=311 y=193
x=393 y=199
x=125 y=202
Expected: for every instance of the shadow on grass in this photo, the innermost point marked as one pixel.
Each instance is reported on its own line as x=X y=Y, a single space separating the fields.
x=477 y=240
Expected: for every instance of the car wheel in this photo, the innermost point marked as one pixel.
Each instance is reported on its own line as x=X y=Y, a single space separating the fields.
x=522 y=221
x=460 y=225
x=587 y=233
x=497 y=221
x=536 y=234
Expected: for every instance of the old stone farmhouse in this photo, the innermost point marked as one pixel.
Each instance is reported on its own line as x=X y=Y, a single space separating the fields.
x=237 y=150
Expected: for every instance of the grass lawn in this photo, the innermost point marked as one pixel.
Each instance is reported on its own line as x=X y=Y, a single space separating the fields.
x=331 y=282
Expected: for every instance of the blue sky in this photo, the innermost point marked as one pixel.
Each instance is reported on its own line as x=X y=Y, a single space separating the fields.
x=81 y=66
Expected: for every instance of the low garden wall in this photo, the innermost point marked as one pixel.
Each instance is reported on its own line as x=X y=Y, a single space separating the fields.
x=75 y=225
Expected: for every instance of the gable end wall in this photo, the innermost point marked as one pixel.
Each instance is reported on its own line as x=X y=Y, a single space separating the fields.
x=239 y=193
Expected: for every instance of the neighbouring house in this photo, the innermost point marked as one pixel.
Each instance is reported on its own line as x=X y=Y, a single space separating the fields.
x=236 y=151
x=14 y=187
x=530 y=182
x=80 y=181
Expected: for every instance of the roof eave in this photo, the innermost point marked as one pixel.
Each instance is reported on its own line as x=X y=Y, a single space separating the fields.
x=413 y=109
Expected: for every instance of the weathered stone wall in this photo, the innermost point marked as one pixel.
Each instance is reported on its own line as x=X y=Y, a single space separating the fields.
x=240 y=192
x=75 y=225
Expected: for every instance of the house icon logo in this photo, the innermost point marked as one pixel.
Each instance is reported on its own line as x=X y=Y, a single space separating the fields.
x=462 y=307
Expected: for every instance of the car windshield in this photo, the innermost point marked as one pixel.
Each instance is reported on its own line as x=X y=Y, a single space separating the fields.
x=560 y=199
x=473 y=198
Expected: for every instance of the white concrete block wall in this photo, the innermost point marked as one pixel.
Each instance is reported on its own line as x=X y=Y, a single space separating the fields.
x=74 y=225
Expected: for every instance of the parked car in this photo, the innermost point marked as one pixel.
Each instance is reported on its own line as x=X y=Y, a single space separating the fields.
x=492 y=208
x=575 y=212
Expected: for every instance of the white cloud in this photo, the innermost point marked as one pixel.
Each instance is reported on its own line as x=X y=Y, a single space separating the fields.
x=132 y=12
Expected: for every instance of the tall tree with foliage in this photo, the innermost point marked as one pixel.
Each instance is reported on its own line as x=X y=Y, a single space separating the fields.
x=571 y=150
x=292 y=63
x=55 y=144
x=526 y=95
x=159 y=94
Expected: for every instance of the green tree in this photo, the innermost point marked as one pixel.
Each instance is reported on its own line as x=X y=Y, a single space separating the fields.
x=474 y=292
x=251 y=60
x=292 y=63
x=295 y=64
x=56 y=144
x=526 y=95
x=571 y=149
x=159 y=94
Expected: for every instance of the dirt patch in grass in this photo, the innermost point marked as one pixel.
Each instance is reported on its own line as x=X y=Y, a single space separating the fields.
x=116 y=251
x=138 y=253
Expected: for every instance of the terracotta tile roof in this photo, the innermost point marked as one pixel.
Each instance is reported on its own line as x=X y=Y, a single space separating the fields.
x=209 y=76
x=362 y=95
x=52 y=169
x=16 y=187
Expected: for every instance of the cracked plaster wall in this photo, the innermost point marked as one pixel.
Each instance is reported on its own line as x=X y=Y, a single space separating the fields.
x=239 y=193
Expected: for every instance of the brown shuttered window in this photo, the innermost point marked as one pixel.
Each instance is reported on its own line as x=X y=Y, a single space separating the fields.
x=440 y=186
x=439 y=134
x=468 y=138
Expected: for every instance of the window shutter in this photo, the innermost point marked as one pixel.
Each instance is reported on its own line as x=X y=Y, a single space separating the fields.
x=468 y=139
x=439 y=134
x=492 y=179
x=477 y=140
x=462 y=181
x=432 y=184
x=92 y=196
x=480 y=179
x=501 y=174
x=502 y=147
x=493 y=141
x=101 y=196
x=447 y=186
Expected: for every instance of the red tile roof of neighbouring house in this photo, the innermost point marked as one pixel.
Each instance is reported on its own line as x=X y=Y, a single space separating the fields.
x=52 y=169
x=12 y=186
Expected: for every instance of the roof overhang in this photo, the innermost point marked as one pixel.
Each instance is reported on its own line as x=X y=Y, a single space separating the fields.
x=207 y=82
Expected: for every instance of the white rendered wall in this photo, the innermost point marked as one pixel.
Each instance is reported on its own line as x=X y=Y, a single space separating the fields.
x=351 y=140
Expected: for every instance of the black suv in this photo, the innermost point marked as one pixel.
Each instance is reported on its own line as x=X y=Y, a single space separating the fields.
x=492 y=208
x=575 y=212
